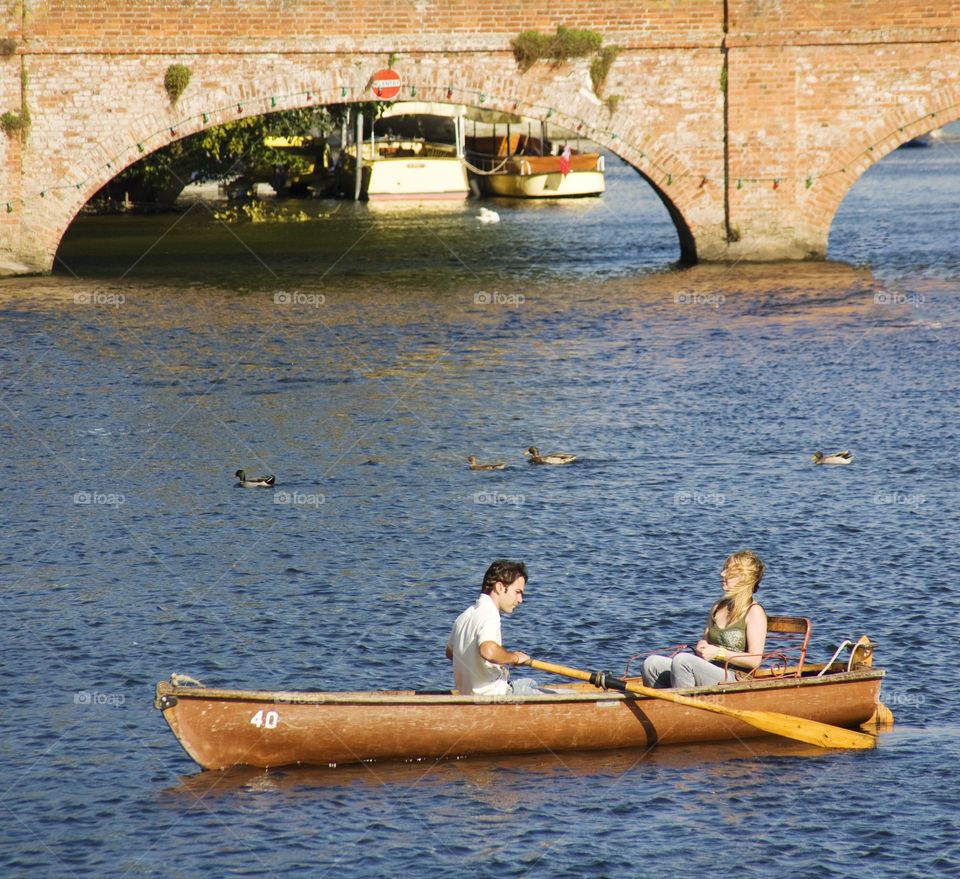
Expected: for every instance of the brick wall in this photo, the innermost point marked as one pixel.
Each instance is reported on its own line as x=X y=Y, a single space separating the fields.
x=350 y=25
x=815 y=93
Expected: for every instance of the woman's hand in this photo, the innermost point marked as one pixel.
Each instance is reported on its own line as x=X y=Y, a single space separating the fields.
x=706 y=650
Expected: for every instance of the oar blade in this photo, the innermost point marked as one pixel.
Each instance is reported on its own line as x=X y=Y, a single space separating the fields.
x=813 y=732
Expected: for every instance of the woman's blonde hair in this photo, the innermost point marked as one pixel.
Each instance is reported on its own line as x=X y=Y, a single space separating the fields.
x=748 y=565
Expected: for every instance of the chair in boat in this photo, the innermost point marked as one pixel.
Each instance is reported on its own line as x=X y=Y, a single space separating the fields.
x=786 y=650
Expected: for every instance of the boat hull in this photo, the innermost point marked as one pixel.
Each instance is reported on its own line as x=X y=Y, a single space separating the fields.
x=552 y=185
x=223 y=728
x=407 y=177
x=533 y=176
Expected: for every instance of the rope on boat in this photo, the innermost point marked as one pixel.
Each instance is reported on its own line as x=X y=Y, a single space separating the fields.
x=179 y=680
x=833 y=658
x=481 y=171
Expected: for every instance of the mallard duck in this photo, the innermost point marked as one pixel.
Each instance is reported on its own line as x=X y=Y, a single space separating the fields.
x=472 y=461
x=255 y=481
x=554 y=458
x=843 y=457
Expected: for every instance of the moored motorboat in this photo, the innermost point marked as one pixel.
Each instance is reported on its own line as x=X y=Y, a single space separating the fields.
x=406 y=169
x=220 y=728
x=307 y=166
x=414 y=151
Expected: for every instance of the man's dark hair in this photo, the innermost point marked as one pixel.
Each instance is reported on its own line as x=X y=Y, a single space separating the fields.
x=502 y=571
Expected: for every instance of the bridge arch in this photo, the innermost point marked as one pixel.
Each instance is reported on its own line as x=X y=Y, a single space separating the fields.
x=888 y=132
x=122 y=146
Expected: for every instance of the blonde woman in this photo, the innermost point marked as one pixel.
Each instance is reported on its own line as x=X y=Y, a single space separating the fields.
x=732 y=640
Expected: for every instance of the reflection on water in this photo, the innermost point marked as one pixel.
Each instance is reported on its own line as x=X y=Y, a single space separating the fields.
x=511 y=771
x=424 y=245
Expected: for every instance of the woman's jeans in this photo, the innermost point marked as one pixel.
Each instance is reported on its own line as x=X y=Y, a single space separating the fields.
x=682 y=670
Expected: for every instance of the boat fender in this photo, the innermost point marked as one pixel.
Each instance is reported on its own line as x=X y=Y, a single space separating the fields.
x=601 y=165
x=166 y=701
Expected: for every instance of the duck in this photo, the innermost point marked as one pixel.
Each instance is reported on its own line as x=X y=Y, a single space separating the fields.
x=554 y=458
x=472 y=461
x=844 y=457
x=488 y=216
x=254 y=481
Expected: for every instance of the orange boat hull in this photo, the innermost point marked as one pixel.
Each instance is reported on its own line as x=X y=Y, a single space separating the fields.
x=223 y=728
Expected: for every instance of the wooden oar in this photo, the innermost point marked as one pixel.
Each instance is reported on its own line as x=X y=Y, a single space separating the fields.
x=810 y=731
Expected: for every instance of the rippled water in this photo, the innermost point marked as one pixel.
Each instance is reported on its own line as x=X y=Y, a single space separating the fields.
x=361 y=355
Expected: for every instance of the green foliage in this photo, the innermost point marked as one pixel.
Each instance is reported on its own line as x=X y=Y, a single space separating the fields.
x=532 y=46
x=723 y=79
x=370 y=110
x=11 y=122
x=529 y=48
x=176 y=80
x=258 y=212
x=612 y=102
x=600 y=67
x=392 y=59
x=218 y=153
x=570 y=43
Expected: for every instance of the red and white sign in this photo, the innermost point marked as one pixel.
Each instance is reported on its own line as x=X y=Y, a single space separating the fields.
x=385 y=84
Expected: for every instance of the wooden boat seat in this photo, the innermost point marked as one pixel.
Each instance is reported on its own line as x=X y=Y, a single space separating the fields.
x=786 y=648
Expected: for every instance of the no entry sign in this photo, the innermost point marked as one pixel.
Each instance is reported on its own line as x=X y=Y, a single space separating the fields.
x=385 y=84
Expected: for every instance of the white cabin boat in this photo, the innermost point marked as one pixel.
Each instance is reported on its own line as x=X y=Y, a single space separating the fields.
x=414 y=151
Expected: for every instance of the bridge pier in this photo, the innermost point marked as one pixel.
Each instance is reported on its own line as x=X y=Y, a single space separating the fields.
x=760 y=246
x=23 y=254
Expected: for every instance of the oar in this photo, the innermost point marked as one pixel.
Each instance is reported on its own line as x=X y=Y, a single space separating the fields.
x=810 y=731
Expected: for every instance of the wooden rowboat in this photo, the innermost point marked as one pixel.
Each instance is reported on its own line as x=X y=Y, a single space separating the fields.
x=523 y=166
x=223 y=728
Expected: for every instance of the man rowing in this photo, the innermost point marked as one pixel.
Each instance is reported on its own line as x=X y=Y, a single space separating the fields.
x=474 y=646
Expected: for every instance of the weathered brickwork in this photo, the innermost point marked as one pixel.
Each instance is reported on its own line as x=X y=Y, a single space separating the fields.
x=751 y=119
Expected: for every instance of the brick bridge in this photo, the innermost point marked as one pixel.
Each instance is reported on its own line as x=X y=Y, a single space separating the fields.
x=751 y=119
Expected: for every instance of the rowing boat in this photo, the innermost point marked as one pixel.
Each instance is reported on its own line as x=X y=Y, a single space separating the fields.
x=220 y=728
x=516 y=166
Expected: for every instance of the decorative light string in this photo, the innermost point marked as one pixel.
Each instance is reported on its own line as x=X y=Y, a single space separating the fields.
x=654 y=170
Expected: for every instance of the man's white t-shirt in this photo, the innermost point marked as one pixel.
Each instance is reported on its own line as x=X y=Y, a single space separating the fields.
x=472 y=674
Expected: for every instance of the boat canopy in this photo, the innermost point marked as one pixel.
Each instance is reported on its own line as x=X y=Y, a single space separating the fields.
x=474 y=114
x=423 y=108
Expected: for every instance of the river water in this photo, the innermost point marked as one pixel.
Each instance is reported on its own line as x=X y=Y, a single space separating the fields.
x=361 y=353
